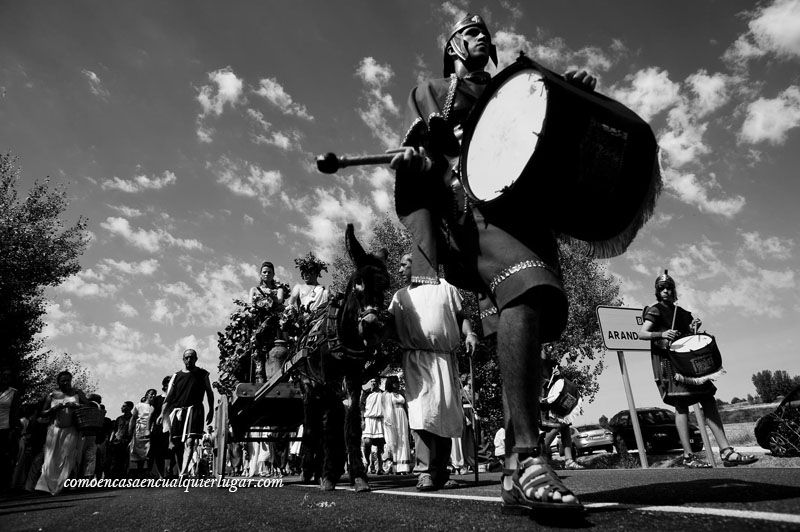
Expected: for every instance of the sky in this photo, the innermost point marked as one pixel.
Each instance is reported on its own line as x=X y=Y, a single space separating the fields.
x=186 y=132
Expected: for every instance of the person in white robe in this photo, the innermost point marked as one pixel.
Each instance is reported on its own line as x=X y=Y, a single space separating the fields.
x=428 y=321
x=395 y=427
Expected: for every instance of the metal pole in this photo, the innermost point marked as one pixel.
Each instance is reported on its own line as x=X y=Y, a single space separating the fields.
x=637 y=430
x=701 y=422
x=474 y=420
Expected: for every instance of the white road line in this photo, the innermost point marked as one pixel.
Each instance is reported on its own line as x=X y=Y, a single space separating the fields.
x=720 y=512
x=724 y=512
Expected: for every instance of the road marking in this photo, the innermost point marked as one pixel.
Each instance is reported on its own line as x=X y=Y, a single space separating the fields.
x=720 y=512
x=723 y=512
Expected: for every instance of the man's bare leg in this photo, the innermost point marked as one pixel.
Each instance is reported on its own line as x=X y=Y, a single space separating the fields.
x=518 y=351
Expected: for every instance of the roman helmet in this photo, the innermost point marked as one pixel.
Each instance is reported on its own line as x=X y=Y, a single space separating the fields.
x=456 y=42
x=665 y=281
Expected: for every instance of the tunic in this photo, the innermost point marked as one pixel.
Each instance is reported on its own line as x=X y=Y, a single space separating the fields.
x=427 y=325
x=62 y=449
x=672 y=392
x=395 y=429
x=373 y=416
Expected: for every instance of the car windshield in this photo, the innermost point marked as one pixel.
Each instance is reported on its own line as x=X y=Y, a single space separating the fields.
x=584 y=428
x=656 y=417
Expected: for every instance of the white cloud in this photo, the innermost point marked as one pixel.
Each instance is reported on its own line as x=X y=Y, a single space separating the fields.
x=710 y=91
x=272 y=91
x=756 y=293
x=773 y=29
x=649 y=92
x=87 y=283
x=96 y=85
x=690 y=190
x=327 y=212
x=140 y=182
x=380 y=112
x=127 y=310
x=682 y=141
x=149 y=240
x=145 y=267
x=382 y=181
x=285 y=141
x=161 y=312
x=226 y=89
x=771 y=120
x=768 y=248
x=128 y=212
x=247 y=179
x=59 y=319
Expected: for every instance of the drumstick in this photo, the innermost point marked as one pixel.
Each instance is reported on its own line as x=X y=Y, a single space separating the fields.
x=330 y=162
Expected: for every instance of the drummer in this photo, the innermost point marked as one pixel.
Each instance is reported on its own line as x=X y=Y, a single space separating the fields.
x=553 y=424
x=662 y=326
x=516 y=272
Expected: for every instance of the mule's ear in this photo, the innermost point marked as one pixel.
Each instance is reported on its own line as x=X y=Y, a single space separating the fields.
x=354 y=249
x=383 y=254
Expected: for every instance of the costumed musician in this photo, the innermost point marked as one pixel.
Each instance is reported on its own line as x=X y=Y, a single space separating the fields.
x=665 y=322
x=517 y=274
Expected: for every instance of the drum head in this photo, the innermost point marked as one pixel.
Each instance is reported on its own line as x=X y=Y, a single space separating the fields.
x=689 y=344
x=506 y=135
x=555 y=391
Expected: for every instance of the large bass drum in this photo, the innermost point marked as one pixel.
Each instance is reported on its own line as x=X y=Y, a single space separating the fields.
x=538 y=149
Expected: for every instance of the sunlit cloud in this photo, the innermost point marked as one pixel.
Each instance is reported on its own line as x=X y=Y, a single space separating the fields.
x=273 y=92
x=140 y=182
x=149 y=240
x=96 y=85
x=380 y=113
x=770 y=120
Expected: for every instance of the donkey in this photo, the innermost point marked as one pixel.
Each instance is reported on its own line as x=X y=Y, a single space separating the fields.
x=341 y=342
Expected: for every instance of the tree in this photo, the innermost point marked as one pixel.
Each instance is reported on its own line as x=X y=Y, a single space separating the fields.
x=736 y=400
x=42 y=378
x=603 y=421
x=763 y=383
x=37 y=250
x=750 y=399
x=782 y=383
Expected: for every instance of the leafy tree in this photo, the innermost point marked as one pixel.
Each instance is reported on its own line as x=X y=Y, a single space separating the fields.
x=782 y=383
x=603 y=421
x=763 y=383
x=37 y=250
x=750 y=399
x=42 y=378
x=736 y=400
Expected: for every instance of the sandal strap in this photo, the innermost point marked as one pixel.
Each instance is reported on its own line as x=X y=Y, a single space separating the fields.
x=537 y=475
x=726 y=452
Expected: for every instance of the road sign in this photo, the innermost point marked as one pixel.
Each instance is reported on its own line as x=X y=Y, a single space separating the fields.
x=620 y=327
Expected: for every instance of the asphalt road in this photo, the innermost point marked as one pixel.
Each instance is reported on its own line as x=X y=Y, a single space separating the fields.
x=666 y=499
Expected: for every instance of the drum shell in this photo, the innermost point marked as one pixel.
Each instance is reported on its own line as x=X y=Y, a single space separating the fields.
x=698 y=363
x=567 y=400
x=591 y=169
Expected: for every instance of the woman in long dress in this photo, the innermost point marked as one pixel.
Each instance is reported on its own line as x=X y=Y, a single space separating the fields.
x=140 y=425
x=395 y=423
x=62 y=448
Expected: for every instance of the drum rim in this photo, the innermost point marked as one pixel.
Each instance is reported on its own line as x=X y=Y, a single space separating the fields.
x=523 y=62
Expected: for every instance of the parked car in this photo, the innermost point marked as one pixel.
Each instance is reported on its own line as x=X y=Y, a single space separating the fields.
x=658 y=431
x=586 y=439
x=590 y=438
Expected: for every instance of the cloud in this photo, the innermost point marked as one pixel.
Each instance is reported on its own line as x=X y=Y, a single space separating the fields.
x=327 y=212
x=771 y=120
x=58 y=319
x=96 y=85
x=773 y=30
x=149 y=240
x=140 y=182
x=128 y=212
x=285 y=141
x=380 y=113
x=127 y=310
x=274 y=93
x=757 y=293
x=768 y=248
x=650 y=92
x=690 y=190
x=225 y=89
x=208 y=300
x=145 y=267
x=710 y=91
x=87 y=283
x=247 y=179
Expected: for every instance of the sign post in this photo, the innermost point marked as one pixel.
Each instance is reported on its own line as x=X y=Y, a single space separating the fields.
x=620 y=329
x=701 y=422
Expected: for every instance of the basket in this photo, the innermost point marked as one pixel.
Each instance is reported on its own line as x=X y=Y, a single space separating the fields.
x=88 y=417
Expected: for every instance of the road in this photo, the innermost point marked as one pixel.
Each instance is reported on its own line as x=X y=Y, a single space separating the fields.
x=665 y=499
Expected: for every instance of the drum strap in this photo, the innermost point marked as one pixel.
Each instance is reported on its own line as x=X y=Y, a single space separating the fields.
x=451 y=96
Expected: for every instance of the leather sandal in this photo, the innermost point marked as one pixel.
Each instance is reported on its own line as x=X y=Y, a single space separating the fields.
x=689 y=461
x=534 y=485
x=740 y=459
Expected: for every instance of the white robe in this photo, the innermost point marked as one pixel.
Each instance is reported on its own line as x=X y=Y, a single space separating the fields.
x=395 y=428
x=373 y=416
x=426 y=320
